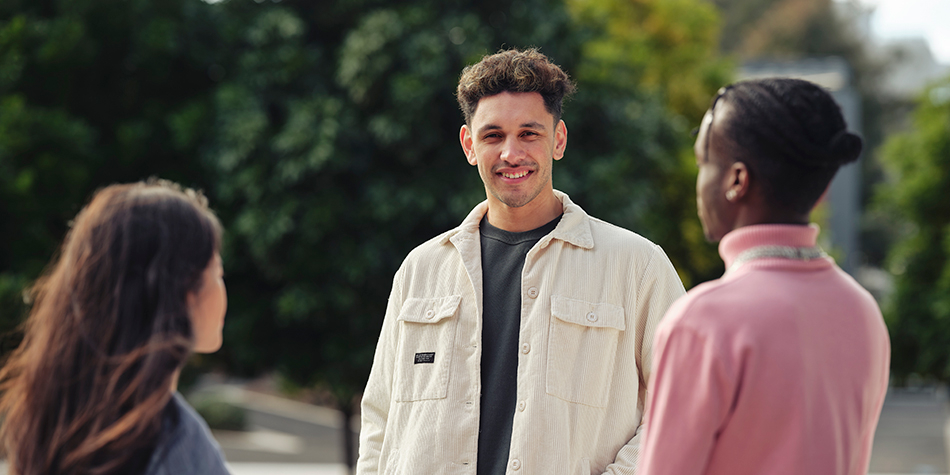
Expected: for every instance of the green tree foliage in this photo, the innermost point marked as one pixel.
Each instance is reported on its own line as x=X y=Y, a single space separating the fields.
x=91 y=92
x=799 y=28
x=918 y=314
x=737 y=17
x=788 y=29
x=664 y=46
x=666 y=49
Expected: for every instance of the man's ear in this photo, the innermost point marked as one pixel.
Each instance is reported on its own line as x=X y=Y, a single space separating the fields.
x=560 y=140
x=465 y=137
x=738 y=182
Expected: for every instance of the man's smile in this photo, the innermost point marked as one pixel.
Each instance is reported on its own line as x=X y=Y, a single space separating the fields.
x=515 y=175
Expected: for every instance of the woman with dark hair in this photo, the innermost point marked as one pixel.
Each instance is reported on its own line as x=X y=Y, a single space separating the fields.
x=137 y=287
x=781 y=365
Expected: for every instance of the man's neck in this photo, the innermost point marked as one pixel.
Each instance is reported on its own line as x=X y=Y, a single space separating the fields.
x=540 y=211
x=752 y=216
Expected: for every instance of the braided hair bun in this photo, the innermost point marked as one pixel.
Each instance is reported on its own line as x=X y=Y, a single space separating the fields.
x=846 y=147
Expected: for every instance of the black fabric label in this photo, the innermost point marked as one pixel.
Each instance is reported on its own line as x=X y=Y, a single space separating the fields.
x=425 y=358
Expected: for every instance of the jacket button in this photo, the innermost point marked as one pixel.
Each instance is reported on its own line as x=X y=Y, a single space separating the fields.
x=430 y=313
x=525 y=348
x=533 y=292
x=515 y=464
x=591 y=317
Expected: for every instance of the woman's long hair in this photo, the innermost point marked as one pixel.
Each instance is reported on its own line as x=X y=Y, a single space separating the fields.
x=109 y=328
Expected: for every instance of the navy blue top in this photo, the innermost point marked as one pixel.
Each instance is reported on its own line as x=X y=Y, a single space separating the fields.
x=185 y=446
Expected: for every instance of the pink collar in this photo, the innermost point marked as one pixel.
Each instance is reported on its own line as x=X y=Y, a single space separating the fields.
x=747 y=237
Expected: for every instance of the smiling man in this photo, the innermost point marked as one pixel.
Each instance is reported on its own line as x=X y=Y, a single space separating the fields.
x=518 y=342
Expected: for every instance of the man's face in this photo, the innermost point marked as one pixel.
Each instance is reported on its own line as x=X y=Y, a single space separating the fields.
x=716 y=213
x=513 y=141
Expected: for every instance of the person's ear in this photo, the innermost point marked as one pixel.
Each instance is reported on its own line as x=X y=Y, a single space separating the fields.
x=560 y=140
x=465 y=137
x=191 y=301
x=738 y=179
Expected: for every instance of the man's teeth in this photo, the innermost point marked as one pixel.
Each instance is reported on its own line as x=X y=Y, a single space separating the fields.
x=515 y=175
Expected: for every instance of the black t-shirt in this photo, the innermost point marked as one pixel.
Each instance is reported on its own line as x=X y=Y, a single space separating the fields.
x=503 y=256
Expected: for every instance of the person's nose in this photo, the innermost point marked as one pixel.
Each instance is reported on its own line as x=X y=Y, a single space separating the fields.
x=513 y=150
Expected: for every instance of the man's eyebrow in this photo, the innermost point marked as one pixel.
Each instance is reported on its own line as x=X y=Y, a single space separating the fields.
x=487 y=127
x=526 y=125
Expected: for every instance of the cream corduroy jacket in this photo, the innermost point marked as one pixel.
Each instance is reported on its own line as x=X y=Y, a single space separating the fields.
x=593 y=294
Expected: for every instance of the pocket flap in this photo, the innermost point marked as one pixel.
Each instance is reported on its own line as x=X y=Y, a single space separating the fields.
x=580 y=312
x=429 y=310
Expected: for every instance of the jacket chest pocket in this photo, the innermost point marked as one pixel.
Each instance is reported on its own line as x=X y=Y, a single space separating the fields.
x=582 y=350
x=427 y=330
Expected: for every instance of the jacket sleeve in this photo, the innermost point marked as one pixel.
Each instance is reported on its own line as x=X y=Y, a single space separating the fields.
x=658 y=286
x=690 y=399
x=377 y=397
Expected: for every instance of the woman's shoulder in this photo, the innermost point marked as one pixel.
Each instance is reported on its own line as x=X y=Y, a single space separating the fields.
x=186 y=446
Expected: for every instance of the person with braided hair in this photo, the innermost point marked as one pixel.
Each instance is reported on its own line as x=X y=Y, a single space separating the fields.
x=781 y=365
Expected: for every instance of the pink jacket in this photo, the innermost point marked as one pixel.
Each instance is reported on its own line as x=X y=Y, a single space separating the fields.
x=779 y=367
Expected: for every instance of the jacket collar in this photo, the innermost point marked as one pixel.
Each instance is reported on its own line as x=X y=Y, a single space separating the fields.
x=573 y=228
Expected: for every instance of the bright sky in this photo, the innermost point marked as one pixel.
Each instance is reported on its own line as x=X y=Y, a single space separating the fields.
x=903 y=18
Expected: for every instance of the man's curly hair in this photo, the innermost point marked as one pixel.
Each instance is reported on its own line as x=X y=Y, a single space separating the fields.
x=514 y=70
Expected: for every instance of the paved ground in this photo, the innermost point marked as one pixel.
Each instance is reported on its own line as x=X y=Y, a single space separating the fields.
x=290 y=438
x=250 y=468
x=910 y=436
x=909 y=439
x=282 y=431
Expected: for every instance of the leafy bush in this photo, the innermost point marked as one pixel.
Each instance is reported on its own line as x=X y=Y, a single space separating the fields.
x=220 y=414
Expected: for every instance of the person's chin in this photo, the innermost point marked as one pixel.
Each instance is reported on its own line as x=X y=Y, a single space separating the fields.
x=209 y=346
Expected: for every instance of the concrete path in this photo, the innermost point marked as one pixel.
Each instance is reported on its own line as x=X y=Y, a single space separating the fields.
x=281 y=430
x=291 y=438
x=910 y=436
x=250 y=468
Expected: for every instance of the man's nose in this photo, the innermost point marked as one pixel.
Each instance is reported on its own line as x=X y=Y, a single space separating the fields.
x=513 y=150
